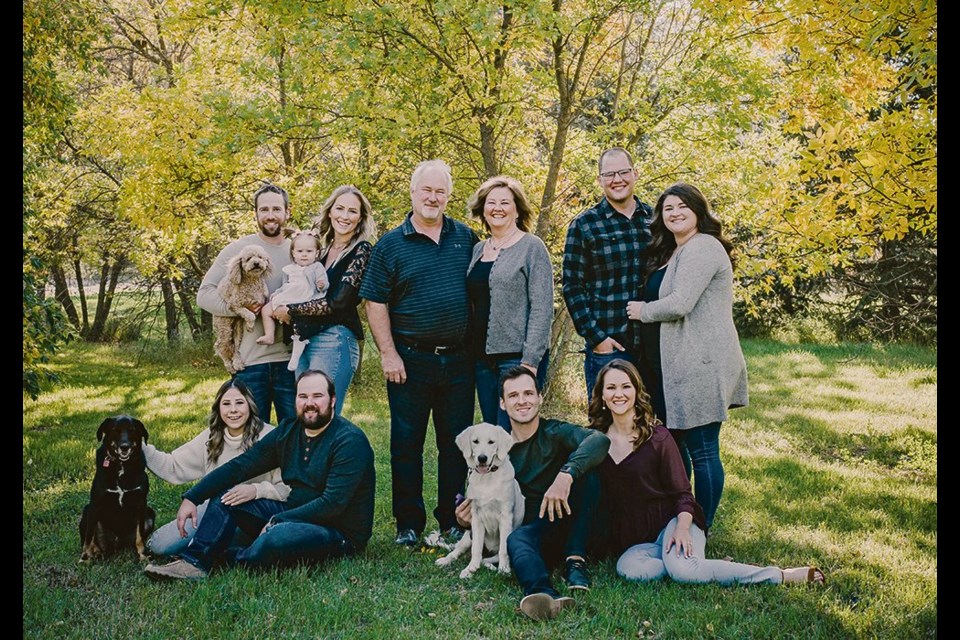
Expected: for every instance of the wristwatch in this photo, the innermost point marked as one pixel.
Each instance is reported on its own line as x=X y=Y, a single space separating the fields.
x=567 y=469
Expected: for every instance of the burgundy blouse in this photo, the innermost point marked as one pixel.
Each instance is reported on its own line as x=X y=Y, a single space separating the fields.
x=646 y=490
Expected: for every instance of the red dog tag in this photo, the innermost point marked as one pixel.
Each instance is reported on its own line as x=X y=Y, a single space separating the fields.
x=106 y=462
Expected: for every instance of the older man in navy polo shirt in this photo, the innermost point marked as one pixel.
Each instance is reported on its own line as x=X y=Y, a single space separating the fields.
x=415 y=287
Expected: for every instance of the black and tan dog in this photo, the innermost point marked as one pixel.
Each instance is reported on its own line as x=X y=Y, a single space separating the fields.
x=117 y=516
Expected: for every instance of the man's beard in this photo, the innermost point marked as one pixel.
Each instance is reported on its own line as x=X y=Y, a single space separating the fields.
x=321 y=419
x=268 y=233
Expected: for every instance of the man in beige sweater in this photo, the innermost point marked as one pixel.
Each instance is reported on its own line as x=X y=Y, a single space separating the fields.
x=266 y=370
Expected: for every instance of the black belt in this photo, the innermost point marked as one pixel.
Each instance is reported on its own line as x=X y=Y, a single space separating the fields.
x=436 y=349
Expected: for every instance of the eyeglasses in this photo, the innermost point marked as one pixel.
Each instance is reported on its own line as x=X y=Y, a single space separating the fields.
x=610 y=175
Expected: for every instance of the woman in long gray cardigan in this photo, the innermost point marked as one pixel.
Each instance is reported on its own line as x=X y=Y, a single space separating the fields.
x=695 y=368
x=510 y=283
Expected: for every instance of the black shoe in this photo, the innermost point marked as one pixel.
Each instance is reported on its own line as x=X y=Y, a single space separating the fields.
x=407 y=538
x=576 y=576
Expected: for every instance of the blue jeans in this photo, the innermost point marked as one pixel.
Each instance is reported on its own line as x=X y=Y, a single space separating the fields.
x=284 y=544
x=488 y=386
x=271 y=383
x=593 y=362
x=537 y=545
x=443 y=385
x=700 y=449
x=336 y=352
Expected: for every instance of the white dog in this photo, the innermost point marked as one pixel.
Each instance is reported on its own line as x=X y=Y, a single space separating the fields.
x=243 y=285
x=496 y=504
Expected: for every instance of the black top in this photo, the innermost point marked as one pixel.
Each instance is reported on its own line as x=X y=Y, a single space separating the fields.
x=478 y=288
x=331 y=484
x=423 y=282
x=651 y=367
x=339 y=306
x=650 y=331
x=538 y=459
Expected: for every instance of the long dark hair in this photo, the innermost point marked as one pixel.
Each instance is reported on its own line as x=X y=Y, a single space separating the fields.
x=251 y=430
x=664 y=244
x=644 y=420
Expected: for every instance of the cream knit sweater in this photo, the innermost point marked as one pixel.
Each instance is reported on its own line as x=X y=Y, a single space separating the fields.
x=188 y=462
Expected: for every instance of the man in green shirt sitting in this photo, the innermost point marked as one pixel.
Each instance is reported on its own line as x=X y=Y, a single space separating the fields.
x=553 y=461
x=326 y=461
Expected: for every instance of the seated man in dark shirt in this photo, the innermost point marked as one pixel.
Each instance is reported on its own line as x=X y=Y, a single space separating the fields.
x=327 y=463
x=554 y=463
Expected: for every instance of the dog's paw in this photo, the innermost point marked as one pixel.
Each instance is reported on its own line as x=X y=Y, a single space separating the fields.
x=444 y=561
x=468 y=572
x=504 y=568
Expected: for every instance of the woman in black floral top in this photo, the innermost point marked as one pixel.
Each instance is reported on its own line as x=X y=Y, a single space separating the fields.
x=332 y=324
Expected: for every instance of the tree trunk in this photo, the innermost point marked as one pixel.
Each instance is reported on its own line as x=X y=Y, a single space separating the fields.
x=82 y=292
x=170 y=309
x=62 y=292
x=206 y=322
x=109 y=277
x=545 y=221
x=562 y=337
x=488 y=148
x=186 y=306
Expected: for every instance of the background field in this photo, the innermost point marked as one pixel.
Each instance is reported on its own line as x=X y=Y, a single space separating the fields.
x=833 y=464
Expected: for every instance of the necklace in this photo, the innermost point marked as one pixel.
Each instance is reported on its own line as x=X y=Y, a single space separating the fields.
x=505 y=240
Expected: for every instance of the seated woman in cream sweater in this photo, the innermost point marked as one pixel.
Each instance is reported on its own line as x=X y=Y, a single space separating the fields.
x=234 y=427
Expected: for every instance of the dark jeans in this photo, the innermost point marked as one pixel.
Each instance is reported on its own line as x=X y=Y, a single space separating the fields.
x=271 y=383
x=541 y=544
x=488 y=386
x=284 y=544
x=441 y=385
x=593 y=362
x=700 y=450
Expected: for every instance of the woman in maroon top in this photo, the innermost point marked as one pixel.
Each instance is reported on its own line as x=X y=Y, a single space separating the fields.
x=657 y=528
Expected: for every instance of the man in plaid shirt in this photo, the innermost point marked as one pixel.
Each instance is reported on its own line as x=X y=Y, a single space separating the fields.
x=603 y=262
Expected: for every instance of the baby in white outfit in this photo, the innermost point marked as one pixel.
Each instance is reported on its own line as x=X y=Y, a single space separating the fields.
x=306 y=279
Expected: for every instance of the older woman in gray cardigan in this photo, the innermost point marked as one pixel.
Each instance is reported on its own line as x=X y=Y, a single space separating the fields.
x=510 y=283
x=696 y=369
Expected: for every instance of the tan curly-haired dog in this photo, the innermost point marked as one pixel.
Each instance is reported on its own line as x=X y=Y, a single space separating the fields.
x=244 y=286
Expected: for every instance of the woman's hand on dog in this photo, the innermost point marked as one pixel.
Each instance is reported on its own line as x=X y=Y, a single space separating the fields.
x=239 y=494
x=463 y=514
x=187 y=511
x=555 y=499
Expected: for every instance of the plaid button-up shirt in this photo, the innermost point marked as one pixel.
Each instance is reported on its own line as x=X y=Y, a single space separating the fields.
x=603 y=262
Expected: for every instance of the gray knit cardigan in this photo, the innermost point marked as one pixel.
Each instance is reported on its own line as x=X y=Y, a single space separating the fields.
x=521 y=299
x=704 y=372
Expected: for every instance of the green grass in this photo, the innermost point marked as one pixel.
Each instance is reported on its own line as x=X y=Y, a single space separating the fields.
x=833 y=464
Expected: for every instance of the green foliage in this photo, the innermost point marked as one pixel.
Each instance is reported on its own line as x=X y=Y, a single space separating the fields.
x=811 y=126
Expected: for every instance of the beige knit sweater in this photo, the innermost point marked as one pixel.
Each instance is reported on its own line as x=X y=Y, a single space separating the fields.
x=188 y=462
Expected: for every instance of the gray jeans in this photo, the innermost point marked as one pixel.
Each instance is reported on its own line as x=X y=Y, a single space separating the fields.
x=649 y=561
x=166 y=540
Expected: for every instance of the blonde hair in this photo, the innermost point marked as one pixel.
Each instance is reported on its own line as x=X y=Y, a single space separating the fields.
x=366 y=228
